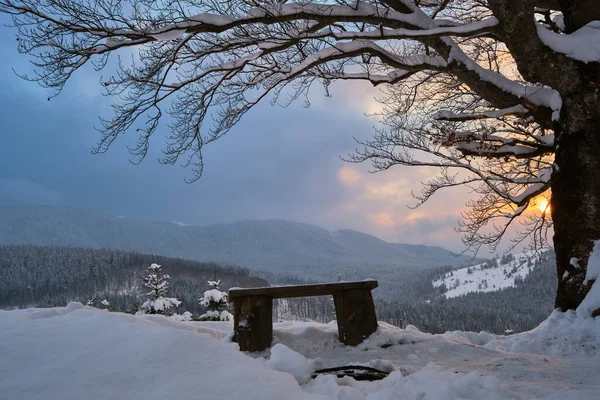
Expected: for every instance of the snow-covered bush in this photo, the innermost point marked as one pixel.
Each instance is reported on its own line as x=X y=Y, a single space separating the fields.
x=216 y=303
x=90 y=301
x=186 y=316
x=106 y=304
x=157 y=302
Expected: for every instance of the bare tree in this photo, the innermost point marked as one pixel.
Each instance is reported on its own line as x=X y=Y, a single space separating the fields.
x=501 y=95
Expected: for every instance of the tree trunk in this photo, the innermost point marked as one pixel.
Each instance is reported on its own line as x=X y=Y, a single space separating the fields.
x=578 y=13
x=576 y=194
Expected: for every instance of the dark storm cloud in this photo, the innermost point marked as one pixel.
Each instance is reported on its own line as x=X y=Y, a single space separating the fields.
x=275 y=162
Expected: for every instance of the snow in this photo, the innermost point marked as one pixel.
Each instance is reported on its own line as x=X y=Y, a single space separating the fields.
x=480 y=279
x=79 y=352
x=180 y=223
x=562 y=334
x=386 y=33
x=186 y=316
x=574 y=261
x=537 y=94
x=168 y=35
x=216 y=302
x=213 y=19
x=431 y=382
x=450 y=115
x=357 y=10
x=213 y=294
x=592 y=300
x=221 y=315
x=593 y=268
x=287 y=360
x=160 y=304
x=582 y=45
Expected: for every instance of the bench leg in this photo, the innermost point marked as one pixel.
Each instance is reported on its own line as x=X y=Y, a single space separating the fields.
x=355 y=312
x=253 y=322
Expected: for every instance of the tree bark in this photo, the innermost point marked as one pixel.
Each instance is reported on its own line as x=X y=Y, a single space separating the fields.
x=576 y=195
x=578 y=13
x=575 y=203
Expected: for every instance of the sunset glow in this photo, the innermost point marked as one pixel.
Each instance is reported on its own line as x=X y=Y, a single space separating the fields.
x=543 y=205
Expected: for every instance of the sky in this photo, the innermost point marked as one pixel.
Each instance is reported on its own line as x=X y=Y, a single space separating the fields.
x=276 y=163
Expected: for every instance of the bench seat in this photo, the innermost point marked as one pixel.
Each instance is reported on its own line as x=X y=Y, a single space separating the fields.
x=253 y=308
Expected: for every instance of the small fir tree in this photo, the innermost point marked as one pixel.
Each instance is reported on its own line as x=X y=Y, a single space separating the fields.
x=90 y=301
x=216 y=303
x=157 y=302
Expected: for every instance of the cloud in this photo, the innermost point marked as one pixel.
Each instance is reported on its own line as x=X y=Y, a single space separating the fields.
x=382 y=219
x=16 y=192
x=349 y=176
x=379 y=204
x=276 y=163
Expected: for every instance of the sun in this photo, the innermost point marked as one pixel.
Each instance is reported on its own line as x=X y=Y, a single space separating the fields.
x=543 y=205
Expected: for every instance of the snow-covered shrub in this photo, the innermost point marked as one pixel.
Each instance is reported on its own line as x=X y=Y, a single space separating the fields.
x=186 y=316
x=157 y=302
x=90 y=301
x=106 y=304
x=216 y=303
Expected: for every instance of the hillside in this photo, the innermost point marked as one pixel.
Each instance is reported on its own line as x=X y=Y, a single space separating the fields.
x=276 y=246
x=46 y=276
x=522 y=299
x=51 y=276
x=491 y=276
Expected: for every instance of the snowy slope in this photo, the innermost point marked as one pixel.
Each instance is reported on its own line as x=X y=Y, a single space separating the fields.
x=79 y=352
x=490 y=276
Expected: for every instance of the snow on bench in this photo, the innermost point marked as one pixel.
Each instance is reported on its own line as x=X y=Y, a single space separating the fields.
x=253 y=308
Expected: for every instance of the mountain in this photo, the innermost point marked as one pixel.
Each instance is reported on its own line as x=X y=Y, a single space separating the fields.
x=274 y=246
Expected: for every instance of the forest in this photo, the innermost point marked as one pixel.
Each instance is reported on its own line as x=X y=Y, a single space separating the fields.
x=47 y=276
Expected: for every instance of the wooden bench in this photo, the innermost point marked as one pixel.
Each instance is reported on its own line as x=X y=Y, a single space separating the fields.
x=253 y=308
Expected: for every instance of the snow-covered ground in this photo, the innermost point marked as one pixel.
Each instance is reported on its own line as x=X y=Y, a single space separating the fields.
x=78 y=352
x=482 y=278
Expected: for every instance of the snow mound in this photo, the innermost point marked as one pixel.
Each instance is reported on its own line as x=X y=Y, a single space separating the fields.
x=563 y=333
x=478 y=339
x=287 y=360
x=38 y=313
x=431 y=383
x=86 y=353
x=186 y=316
x=308 y=338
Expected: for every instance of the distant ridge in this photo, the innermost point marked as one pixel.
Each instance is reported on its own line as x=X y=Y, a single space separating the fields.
x=276 y=246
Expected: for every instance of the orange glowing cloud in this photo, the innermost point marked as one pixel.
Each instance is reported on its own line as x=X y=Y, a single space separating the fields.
x=382 y=219
x=414 y=216
x=348 y=176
